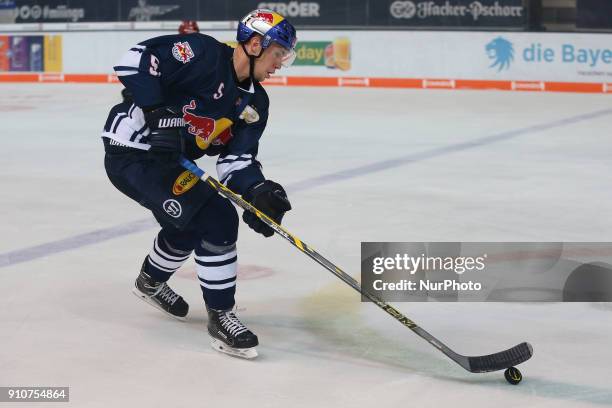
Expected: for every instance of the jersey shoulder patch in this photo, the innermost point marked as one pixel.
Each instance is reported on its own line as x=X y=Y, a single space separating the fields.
x=182 y=51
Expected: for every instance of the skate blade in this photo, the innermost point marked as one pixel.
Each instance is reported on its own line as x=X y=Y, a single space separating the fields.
x=148 y=300
x=247 y=353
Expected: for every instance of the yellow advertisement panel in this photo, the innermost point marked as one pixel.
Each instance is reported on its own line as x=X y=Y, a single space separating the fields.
x=53 y=53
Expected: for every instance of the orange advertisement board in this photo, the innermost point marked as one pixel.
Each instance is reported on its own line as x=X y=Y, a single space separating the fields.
x=4 y=52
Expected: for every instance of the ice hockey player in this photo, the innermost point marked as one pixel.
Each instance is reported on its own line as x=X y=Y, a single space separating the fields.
x=194 y=96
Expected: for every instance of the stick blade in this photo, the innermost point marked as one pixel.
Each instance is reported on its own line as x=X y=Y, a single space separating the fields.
x=502 y=360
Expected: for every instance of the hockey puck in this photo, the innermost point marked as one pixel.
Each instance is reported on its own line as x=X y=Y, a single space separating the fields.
x=513 y=375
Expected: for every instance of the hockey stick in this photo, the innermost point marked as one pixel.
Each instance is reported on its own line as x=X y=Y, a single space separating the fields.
x=475 y=364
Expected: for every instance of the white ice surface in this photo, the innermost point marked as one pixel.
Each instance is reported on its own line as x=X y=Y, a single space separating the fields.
x=69 y=319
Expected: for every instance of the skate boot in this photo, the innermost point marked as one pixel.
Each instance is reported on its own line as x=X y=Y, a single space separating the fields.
x=160 y=295
x=228 y=335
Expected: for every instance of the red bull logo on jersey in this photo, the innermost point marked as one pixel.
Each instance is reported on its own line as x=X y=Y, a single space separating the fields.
x=184 y=182
x=207 y=131
x=199 y=126
x=182 y=52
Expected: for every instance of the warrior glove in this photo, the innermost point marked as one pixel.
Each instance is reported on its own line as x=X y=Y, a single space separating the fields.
x=271 y=199
x=166 y=141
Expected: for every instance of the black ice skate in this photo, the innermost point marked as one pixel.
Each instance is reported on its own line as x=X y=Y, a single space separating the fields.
x=228 y=335
x=160 y=295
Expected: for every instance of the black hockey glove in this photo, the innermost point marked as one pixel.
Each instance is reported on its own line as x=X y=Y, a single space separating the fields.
x=270 y=198
x=167 y=144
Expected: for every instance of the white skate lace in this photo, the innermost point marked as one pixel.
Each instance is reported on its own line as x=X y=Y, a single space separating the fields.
x=230 y=322
x=168 y=294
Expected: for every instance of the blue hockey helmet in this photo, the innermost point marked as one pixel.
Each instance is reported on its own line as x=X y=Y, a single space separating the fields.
x=272 y=27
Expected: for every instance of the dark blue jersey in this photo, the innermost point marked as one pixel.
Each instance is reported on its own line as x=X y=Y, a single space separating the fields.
x=194 y=74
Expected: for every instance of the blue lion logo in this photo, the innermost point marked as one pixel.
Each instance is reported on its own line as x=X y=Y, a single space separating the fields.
x=501 y=52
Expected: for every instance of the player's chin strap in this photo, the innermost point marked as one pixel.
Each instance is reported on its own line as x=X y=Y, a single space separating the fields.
x=252 y=59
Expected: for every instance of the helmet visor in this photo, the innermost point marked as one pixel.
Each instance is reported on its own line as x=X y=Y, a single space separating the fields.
x=288 y=58
x=282 y=55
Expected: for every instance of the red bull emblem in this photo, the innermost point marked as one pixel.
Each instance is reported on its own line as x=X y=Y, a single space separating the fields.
x=206 y=130
x=269 y=17
x=182 y=52
x=199 y=126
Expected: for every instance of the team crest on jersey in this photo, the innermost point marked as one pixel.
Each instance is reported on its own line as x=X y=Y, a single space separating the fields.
x=249 y=114
x=184 y=182
x=182 y=52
